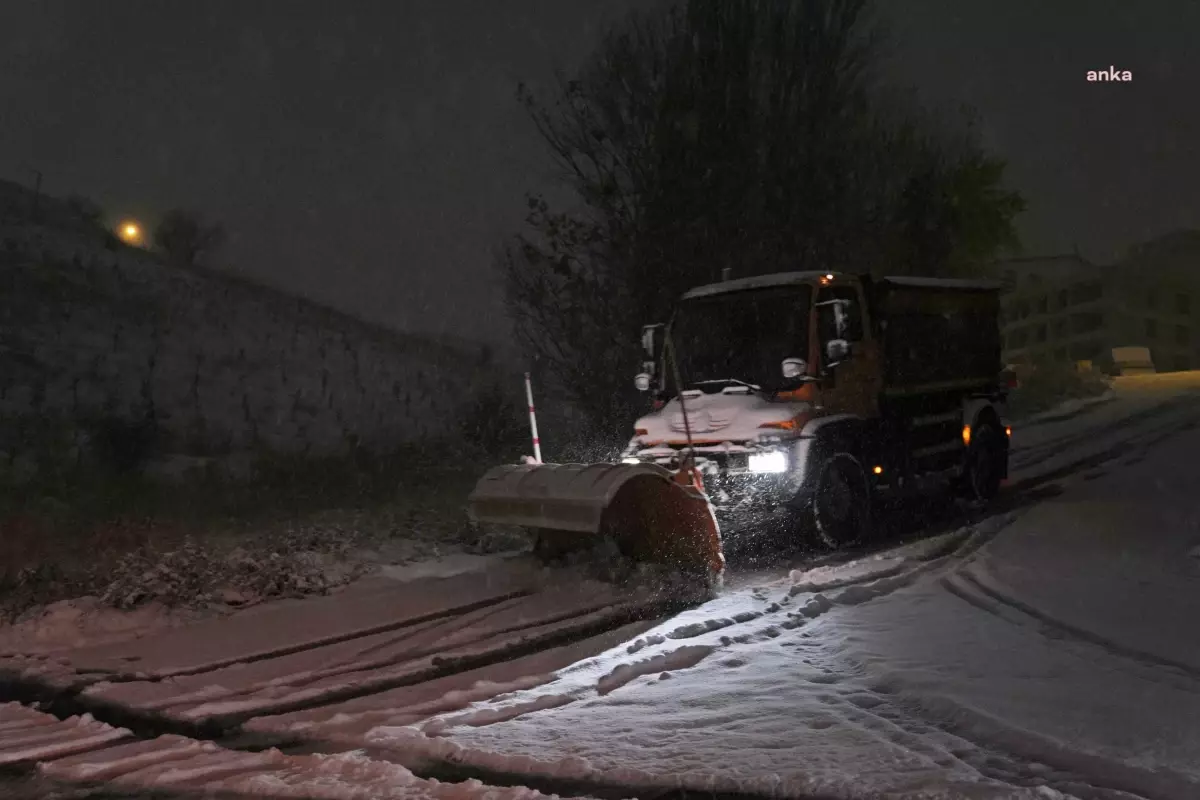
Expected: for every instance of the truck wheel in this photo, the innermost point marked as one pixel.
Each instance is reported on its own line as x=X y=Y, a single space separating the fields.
x=985 y=464
x=841 y=506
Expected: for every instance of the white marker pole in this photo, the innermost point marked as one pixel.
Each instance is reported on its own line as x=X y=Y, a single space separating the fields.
x=537 y=444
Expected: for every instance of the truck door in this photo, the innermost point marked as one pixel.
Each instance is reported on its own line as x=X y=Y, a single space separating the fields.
x=852 y=385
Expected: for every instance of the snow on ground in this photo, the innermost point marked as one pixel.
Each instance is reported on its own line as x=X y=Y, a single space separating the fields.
x=27 y=735
x=80 y=750
x=379 y=664
x=371 y=606
x=201 y=768
x=371 y=639
x=1070 y=408
x=446 y=567
x=1057 y=660
x=348 y=721
x=1111 y=556
x=980 y=664
x=86 y=622
x=1135 y=399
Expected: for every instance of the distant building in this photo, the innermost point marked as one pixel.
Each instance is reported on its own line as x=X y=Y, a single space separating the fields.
x=1066 y=309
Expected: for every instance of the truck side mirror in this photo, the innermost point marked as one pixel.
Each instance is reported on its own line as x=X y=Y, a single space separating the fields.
x=650 y=340
x=837 y=350
x=794 y=368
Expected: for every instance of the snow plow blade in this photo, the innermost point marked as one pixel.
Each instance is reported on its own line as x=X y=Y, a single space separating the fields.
x=647 y=511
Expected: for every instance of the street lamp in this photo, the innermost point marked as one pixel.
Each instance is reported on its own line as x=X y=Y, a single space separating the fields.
x=131 y=233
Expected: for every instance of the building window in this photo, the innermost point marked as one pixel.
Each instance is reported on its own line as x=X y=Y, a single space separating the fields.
x=1151 y=329
x=1084 y=351
x=1151 y=299
x=1182 y=335
x=1060 y=354
x=1086 y=323
x=1087 y=292
x=1063 y=299
x=1060 y=329
x=1042 y=304
x=1183 y=304
x=1040 y=334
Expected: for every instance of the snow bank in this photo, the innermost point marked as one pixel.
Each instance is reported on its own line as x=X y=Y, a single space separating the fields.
x=85 y=622
x=28 y=736
x=174 y=763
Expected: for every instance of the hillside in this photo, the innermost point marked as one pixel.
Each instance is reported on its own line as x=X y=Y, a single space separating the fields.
x=97 y=337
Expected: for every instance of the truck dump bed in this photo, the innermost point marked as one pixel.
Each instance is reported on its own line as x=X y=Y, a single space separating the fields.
x=938 y=332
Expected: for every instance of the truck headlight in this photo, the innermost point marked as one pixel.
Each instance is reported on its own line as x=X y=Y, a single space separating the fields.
x=771 y=461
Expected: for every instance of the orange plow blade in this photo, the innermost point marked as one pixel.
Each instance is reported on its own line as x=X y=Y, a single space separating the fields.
x=650 y=513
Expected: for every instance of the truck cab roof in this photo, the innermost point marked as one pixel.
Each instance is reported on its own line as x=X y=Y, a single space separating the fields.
x=812 y=276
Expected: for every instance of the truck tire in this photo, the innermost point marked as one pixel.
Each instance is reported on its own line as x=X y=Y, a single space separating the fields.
x=841 y=502
x=984 y=469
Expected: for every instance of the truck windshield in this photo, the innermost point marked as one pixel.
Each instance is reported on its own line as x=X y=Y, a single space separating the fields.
x=741 y=336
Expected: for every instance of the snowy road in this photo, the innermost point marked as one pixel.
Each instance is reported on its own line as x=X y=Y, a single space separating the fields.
x=1048 y=651
x=1054 y=653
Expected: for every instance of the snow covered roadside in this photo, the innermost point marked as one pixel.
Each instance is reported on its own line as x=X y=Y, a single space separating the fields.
x=81 y=751
x=1055 y=662
x=89 y=622
x=1069 y=408
x=185 y=765
x=1131 y=397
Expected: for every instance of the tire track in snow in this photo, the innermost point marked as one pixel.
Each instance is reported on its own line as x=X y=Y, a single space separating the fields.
x=310 y=644
x=975 y=590
x=1140 y=439
x=1075 y=773
x=429 y=641
x=1024 y=456
x=661 y=652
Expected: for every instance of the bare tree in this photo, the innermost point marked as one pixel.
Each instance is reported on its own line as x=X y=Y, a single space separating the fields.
x=748 y=134
x=186 y=239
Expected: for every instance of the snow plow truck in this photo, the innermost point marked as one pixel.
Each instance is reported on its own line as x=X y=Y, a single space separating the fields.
x=794 y=400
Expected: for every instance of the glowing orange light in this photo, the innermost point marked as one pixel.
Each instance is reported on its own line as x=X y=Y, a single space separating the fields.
x=130 y=232
x=878 y=470
x=967 y=435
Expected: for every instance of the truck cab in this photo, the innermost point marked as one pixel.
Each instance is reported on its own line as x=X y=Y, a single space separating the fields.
x=801 y=396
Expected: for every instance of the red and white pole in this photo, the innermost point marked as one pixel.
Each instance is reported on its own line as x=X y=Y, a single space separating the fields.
x=537 y=444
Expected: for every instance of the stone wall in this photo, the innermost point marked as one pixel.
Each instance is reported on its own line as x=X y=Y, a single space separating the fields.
x=92 y=330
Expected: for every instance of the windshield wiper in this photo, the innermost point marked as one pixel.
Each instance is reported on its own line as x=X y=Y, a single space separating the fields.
x=735 y=381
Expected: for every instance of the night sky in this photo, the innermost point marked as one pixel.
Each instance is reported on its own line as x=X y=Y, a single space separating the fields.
x=370 y=154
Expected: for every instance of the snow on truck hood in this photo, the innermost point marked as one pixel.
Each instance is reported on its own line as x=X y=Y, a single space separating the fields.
x=734 y=415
